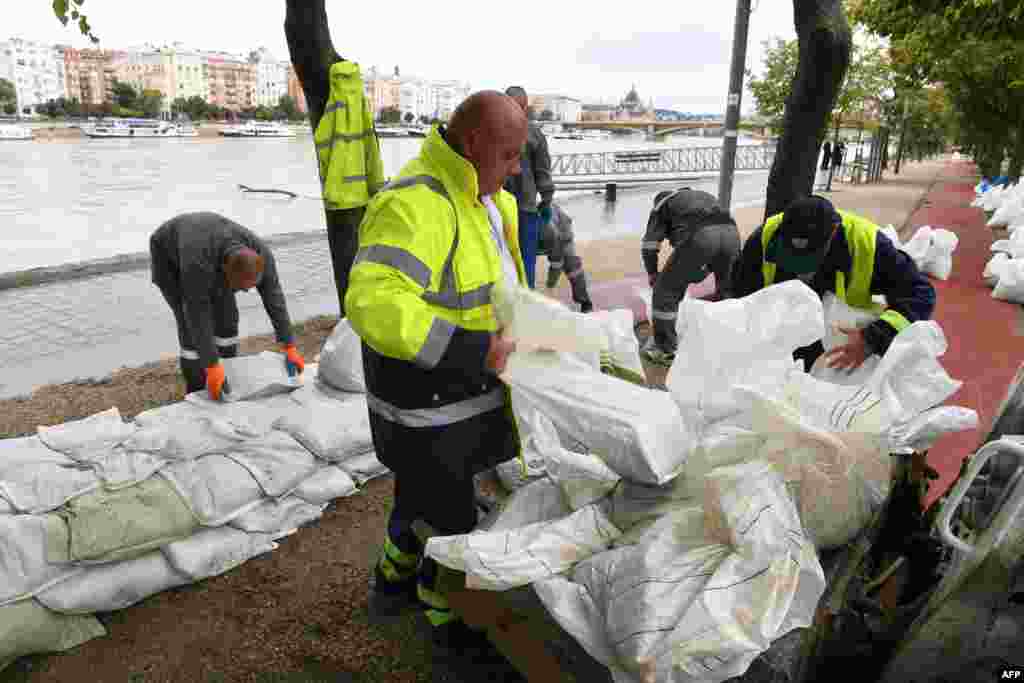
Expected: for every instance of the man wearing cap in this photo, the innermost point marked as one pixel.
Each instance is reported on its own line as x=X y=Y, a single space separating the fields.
x=704 y=238
x=839 y=252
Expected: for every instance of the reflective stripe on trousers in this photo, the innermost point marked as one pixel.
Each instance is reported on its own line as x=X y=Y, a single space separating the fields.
x=441 y=415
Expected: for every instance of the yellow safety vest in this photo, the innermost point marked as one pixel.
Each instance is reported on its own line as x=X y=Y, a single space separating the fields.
x=427 y=260
x=861 y=236
x=346 y=143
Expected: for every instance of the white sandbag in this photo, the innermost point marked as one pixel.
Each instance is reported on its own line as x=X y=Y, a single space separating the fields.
x=28 y=628
x=212 y=552
x=79 y=438
x=29 y=561
x=535 y=321
x=919 y=245
x=258 y=376
x=110 y=587
x=840 y=315
x=518 y=472
x=499 y=560
x=217 y=488
x=277 y=461
x=112 y=525
x=994 y=268
x=638 y=432
x=1009 y=212
x=582 y=478
x=364 y=468
x=684 y=605
x=740 y=341
x=6 y=508
x=277 y=515
x=331 y=430
x=1011 y=282
x=341 y=359
x=326 y=484
x=540 y=500
x=921 y=433
x=624 y=349
x=193 y=436
x=939 y=262
x=35 y=479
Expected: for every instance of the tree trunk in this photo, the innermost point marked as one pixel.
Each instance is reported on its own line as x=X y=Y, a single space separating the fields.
x=823 y=36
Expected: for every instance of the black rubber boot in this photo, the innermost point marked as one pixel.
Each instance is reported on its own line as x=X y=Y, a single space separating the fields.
x=194 y=373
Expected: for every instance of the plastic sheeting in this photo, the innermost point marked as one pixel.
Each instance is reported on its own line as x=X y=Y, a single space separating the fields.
x=696 y=601
x=638 y=432
x=535 y=321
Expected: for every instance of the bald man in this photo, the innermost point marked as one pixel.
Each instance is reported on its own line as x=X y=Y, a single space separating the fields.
x=199 y=261
x=434 y=244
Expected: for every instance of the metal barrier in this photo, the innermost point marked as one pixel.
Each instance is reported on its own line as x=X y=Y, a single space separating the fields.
x=658 y=161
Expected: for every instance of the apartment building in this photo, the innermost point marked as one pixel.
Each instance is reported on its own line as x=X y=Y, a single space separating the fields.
x=231 y=80
x=36 y=69
x=295 y=90
x=271 y=77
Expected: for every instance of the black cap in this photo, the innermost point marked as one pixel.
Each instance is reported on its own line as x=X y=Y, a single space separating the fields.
x=804 y=235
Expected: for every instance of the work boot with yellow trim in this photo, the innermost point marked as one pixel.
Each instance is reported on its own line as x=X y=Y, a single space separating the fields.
x=395 y=578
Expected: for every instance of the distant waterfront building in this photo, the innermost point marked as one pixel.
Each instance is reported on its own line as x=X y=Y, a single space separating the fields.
x=597 y=112
x=562 y=108
x=271 y=77
x=36 y=70
x=90 y=74
x=231 y=80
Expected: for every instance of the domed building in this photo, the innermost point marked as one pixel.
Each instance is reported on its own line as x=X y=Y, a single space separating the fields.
x=631 y=108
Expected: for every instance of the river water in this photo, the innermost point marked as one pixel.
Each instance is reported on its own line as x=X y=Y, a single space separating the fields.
x=69 y=201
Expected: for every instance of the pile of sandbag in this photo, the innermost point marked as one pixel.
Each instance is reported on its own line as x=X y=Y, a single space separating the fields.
x=674 y=535
x=1004 y=272
x=100 y=513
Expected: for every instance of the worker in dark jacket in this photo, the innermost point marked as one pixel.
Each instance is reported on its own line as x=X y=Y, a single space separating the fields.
x=534 y=179
x=703 y=237
x=199 y=261
x=560 y=245
x=839 y=252
x=347 y=147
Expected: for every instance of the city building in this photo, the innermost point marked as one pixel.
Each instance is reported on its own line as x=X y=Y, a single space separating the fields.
x=37 y=71
x=597 y=112
x=90 y=74
x=448 y=96
x=562 y=108
x=271 y=77
x=295 y=90
x=231 y=80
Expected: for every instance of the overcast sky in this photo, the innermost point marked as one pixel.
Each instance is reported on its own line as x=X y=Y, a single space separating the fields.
x=676 y=52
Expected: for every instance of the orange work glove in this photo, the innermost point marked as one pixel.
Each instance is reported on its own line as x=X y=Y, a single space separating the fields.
x=215 y=380
x=294 y=362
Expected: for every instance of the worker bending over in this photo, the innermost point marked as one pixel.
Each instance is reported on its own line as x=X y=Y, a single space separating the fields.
x=848 y=255
x=703 y=237
x=199 y=261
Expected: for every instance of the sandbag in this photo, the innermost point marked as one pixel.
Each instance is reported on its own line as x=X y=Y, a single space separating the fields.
x=324 y=485
x=1009 y=211
x=696 y=600
x=277 y=461
x=623 y=353
x=212 y=552
x=331 y=430
x=32 y=556
x=919 y=245
x=535 y=321
x=582 y=478
x=277 y=515
x=994 y=268
x=35 y=479
x=746 y=341
x=364 y=468
x=540 y=500
x=341 y=359
x=96 y=433
x=500 y=560
x=939 y=262
x=1011 y=282
x=193 y=436
x=28 y=628
x=838 y=314
x=108 y=526
x=109 y=587
x=638 y=432
x=217 y=488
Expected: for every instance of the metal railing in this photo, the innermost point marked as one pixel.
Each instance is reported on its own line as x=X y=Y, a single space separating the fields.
x=658 y=161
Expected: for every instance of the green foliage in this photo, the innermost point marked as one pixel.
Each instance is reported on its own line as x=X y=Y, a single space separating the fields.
x=409 y=117
x=8 y=95
x=389 y=115
x=287 y=108
x=124 y=95
x=10 y=108
x=151 y=102
x=772 y=88
x=71 y=10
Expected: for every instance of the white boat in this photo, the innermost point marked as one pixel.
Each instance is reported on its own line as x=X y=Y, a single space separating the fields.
x=9 y=131
x=139 y=128
x=258 y=129
x=389 y=132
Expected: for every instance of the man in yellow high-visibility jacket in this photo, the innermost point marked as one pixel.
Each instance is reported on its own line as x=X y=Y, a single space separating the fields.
x=347 y=149
x=839 y=252
x=434 y=244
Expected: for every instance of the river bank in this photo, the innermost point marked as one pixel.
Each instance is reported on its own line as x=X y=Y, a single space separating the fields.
x=66 y=132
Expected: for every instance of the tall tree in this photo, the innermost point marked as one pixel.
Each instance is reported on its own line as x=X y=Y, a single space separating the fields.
x=124 y=95
x=151 y=102
x=8 y=95
x=71 y=10
x=772 y=88
x=824 y=41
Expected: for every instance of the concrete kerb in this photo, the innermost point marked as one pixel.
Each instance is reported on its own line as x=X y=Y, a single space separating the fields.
x=118 y=264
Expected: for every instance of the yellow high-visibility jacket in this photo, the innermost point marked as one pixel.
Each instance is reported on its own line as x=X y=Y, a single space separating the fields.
x=347 y=148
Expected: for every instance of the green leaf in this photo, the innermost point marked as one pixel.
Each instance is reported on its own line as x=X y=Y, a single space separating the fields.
x=75 y=14
x=60 y=9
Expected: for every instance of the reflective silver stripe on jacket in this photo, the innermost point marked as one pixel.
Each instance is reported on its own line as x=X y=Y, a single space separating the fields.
x=436 y=344
x=354 y=179
x=331 y=108
x=447 y=295
x=189 y=354
x=343 y=137
x=664 y=315
x=225 y=341
x=440 y=416
x=401 y=260
x=651 y=246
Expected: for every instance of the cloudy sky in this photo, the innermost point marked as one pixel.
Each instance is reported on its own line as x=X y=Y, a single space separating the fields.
x=678 y=52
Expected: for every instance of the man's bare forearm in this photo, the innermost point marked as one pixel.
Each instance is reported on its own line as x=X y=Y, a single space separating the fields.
x=312 y=52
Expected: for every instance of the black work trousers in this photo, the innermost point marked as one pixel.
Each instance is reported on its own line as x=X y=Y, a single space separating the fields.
x=343 y=240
